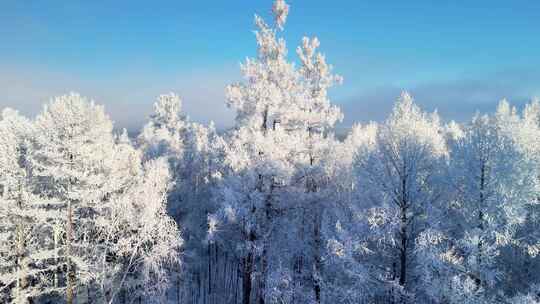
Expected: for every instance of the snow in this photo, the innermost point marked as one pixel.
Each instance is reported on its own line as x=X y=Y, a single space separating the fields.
x=275 y=209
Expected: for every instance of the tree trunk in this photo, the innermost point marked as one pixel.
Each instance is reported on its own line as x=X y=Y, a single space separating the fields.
x=403 y=248
x=403 y=260
x=394 y=275
x=264 y=125
x=246 y=278
x=264 y=258
x=209 y=269
x=69 y=292
x=56 y=237
x=262 y=282
x=238 y=272
x=198 y=280
x=404 y=203
x=299 y=259
x=88 y=295
x=70 y=283
x=19 y=273
x=317 y=259
x=478 y=280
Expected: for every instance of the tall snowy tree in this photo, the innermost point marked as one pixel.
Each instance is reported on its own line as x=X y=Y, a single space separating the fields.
x=25 y=273
x=194 y=153
x=77 y=163
x=398 y=187
x=493 y=177
x=276 y=153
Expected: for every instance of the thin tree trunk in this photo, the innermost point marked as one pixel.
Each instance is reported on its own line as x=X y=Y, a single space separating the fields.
x=124 y=276
x=19 y=262
x=264 y=258
x=70 y=276
x=237 y=284
x=262 y=282
x=70 y=292
x=88 y=296
x=403 y=229
x=394 y=275
x=56 y=269
x=317 y=259
x=403 y=248
x=299 y=260
x=478 y=280
x=246 y=278
x=209 y=248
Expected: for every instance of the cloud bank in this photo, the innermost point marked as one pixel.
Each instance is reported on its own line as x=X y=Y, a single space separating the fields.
x=456 y=99
x=128 y=98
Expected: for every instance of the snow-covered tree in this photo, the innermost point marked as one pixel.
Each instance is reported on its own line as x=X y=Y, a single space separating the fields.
x=275 y=209
x=163 y=133
x=194 y=153
x=493 y=178
x=347 y=276
x=78 y=164
x=398 y=187
x=138 y=241
x=276 y=182
x=25 y=273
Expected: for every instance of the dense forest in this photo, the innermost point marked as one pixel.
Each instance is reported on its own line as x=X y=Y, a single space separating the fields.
x=276 y=209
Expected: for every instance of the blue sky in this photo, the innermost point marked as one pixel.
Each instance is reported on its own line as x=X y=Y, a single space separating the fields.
x=454 y=56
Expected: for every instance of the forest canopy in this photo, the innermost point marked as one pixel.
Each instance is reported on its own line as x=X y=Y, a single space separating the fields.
x=276 y=209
